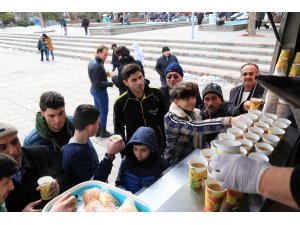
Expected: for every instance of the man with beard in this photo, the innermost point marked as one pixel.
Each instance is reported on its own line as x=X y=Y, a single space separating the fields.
x=139 y=106
x=250 y=88
x=215 y=106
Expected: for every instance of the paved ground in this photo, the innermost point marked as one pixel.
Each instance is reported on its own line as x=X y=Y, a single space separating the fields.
x=24 y=78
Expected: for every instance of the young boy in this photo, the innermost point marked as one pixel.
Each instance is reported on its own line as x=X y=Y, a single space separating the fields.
x=142 y=163
x=183 y=124
x=80 y=159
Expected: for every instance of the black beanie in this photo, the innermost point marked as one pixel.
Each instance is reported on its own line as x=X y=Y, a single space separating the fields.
x=165 y=48
x=212 y=88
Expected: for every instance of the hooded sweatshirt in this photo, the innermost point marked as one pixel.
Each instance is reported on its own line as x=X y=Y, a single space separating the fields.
x=133 y=174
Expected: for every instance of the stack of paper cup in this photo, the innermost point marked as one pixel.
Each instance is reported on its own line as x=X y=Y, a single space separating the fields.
x=271 y=101
x=283 y=109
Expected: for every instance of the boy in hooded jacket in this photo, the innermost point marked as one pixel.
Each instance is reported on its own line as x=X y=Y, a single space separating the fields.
x=143 y=163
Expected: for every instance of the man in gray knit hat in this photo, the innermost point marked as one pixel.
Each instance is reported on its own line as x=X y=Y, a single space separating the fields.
x=33 y=162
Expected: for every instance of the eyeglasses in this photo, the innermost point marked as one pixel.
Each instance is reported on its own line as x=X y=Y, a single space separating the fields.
x=175 y=76
x=248 y=73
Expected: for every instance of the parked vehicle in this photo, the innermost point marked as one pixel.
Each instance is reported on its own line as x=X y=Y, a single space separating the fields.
x=181 y=18
x=234 y=16
x=245 y=16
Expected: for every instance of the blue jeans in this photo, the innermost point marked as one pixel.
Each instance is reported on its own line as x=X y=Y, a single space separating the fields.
x=47 y=54
x=101 y=102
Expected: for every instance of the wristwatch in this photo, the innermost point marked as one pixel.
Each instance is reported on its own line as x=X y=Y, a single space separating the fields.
x=109 y=156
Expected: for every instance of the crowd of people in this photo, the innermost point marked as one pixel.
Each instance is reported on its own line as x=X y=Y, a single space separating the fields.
x=159 y=127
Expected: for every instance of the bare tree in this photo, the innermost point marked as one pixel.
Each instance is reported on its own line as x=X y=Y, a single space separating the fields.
x=251 y=24
x=42 y=20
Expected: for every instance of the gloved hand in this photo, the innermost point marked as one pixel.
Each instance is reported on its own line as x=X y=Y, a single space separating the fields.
x=238 y=172
x=114 y=147
x=110 y=84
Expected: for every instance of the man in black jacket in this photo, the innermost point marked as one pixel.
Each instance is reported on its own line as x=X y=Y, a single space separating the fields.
x=124 y=58
x=174 y=75
x=162 y=64
x=215 y=106
x=99 y=85
x=139 y=106
x=250 y=88
x=33 y=162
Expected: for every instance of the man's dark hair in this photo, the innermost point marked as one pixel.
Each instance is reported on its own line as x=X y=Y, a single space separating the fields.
x=252 y=64
x=8 y=166
x=51 y=99
x=85 y=115
x=113 y=46
x=129 y=69
x=122 y=51
x=101 y=48
x=184 y=90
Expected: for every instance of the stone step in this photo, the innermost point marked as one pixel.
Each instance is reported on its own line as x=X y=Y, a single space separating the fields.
x=179 y=45
x=262 y=59
x=226 y=74
x=193 y=61
x=99 y=37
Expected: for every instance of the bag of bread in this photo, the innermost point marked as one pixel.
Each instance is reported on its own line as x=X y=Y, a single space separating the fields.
x=91 y=194
x=107 y=199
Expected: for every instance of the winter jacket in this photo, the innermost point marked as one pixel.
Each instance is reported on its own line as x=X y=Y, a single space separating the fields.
x=85 y=22
x=81 y=163
x=133 y=113
x=37 y=161
x=41 y=45
x=225 y=109
x=49 y=44
x=163 y=62
x=97 y=74
x=168 y=101
x=41 y=135
x=184 y=131
x=133 y=174
x=236 y=93
x=118 y=80
x=115 y=60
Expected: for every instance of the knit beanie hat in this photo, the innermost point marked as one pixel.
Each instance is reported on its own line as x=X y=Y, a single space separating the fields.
x=174 y=67
x=212 y=88
x=7 y=129
x=165 y=48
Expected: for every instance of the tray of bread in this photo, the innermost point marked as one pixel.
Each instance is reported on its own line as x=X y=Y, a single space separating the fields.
x=97 y=196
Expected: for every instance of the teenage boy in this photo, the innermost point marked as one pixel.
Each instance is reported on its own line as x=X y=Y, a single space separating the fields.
x=80 y=159
x=183 y=125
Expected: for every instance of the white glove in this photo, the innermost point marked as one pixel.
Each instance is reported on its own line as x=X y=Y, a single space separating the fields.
x=238 y=172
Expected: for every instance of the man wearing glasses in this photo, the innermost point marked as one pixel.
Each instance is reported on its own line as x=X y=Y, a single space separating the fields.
x=174 y=75
x=250 y=88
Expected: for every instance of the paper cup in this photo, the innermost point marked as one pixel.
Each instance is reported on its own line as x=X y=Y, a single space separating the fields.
x=264 y=148
x=270 y=115
x=247 y=144
x=270 y=139
x=251 y=116
x=115 y=137
x=227 y=147
x=262 y=125
x=256 y=103
x=236 y=132
x=280 y=125
x=214 y=195
x=213 y=146
x=197 y=171
x=44 y=186
x=240 y=125
x=243 y=151
x=226 y=136
x=265 y=120
x=207 y=153
x=257 y=155
x=256 y=130
x=255 y=111
x=284 y=120
x=254 y=138
x=233 y=199
x=246 y=121
x=276 y=131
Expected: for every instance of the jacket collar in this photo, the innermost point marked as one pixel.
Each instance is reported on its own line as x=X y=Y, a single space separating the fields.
x=147 y=92
x=181 y=113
